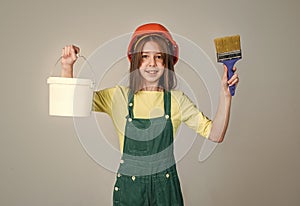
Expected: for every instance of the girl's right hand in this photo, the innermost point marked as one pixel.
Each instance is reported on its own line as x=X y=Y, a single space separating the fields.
x=68 y=58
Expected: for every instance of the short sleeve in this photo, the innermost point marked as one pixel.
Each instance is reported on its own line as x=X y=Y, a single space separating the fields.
x=102 y=100
x=192 y=117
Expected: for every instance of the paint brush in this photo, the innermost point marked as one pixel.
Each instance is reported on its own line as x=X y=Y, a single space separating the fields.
x=229 y=52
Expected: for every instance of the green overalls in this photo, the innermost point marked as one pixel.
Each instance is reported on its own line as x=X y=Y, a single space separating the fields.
x=147 y=174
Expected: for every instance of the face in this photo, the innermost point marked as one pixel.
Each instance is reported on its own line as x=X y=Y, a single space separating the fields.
x=152 y=64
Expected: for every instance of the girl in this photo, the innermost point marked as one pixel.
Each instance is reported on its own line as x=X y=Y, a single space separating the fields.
x=147 y=114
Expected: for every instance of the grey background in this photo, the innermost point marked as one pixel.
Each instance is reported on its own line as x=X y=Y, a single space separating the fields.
x=42 y=161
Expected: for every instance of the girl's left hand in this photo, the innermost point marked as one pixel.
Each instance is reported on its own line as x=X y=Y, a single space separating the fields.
x=234 y=80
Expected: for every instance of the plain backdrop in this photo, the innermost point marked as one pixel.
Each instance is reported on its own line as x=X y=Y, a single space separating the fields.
x=41 y=159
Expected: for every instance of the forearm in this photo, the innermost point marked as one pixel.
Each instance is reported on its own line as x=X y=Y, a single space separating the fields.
x=221 y=120
x=67 y=71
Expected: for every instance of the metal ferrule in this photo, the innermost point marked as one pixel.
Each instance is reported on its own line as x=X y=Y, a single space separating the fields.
x=229 y=55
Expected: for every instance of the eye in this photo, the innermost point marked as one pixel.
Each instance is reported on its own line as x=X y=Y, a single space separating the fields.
x=158 y=57
x=145 y=56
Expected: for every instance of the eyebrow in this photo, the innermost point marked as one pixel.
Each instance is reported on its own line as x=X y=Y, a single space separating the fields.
x=151 y=52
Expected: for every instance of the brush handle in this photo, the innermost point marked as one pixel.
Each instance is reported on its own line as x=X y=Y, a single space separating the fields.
x=229 y=64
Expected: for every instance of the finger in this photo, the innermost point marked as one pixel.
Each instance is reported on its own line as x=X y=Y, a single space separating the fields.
x=65 y=49
x=77 y=49
x=233 y=78
x=225 y=72
x=234 y=68
x=73 y=53
x=63 y=52
x=69 y=50
x=225 y=67
x=233 y=81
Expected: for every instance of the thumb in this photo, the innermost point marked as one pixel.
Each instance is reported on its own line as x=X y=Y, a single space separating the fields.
x=76 y=49
x=225 y=77
x=74 y=52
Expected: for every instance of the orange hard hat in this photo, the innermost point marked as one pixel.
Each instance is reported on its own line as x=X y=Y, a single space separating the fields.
x=152 y=28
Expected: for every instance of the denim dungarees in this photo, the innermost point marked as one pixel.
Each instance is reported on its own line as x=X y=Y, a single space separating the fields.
x=147 y=174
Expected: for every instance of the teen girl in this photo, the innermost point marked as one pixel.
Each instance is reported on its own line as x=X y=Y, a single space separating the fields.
x=146 y=116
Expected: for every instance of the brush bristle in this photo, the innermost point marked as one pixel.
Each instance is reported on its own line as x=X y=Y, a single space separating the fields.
x=227 y=44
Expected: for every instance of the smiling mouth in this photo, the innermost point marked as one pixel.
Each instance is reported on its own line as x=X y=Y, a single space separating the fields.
x=151 y=71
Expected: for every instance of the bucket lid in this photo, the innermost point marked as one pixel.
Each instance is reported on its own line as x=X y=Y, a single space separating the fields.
x=72 y=81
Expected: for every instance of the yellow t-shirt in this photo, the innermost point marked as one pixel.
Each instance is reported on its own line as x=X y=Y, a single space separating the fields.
x=149 y=104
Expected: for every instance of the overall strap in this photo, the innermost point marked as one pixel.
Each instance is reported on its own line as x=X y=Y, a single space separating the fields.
x=167 y=103
x=130 y=103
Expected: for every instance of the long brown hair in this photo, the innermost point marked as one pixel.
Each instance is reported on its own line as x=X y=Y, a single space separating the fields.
x=168 y=80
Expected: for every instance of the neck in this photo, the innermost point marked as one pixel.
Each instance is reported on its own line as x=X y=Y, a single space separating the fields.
x=152 y=88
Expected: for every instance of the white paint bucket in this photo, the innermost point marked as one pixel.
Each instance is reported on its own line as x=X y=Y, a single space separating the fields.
x=70 y=96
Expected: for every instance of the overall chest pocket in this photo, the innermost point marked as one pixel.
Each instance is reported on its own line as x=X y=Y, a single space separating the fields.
x=143 y=136
x=137 y=136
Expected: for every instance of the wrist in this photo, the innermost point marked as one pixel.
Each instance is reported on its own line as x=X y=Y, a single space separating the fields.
x=67 y=66
x=225 y=97
x=225 y=94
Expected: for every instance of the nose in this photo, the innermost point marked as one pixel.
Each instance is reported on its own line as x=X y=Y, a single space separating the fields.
x=152 y=61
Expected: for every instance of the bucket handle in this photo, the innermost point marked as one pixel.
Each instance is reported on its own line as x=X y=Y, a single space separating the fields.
x=78 y=56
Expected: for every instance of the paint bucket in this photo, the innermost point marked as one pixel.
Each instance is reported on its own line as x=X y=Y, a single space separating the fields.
x=71 y=97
